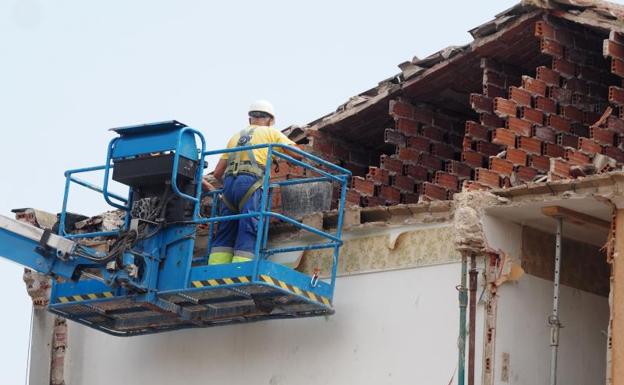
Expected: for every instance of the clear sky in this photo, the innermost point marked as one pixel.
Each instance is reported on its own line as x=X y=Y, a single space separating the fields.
x=71 y=69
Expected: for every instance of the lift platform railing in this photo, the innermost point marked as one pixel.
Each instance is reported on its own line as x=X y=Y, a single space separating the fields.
x=326 y=171
x=71 y=178
x=340 y=176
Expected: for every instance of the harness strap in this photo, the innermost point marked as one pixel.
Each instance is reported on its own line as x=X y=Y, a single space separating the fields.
x=235 y=163
x=254 y=187
x=229 y=204
x=249 y=194
x=245 y=167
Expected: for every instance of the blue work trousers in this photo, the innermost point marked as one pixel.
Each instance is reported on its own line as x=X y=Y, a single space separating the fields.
x=239 y=236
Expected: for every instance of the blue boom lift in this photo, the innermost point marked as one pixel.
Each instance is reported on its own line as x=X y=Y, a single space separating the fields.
x=149 y=281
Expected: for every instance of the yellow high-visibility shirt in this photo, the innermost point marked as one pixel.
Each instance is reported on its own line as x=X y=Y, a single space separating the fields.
x=261 y=135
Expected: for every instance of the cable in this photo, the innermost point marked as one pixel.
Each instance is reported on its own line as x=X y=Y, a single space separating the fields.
x=157 y=214
x=158 y=228
x=126 y=241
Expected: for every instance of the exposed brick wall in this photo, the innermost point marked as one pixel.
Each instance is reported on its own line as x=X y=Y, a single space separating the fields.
x=351 y=155
x=549 y=121
x=548 y=118
x=426 y=162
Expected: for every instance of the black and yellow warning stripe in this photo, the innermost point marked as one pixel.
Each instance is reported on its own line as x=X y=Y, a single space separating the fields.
x=221 y=281
x=85 y=297
x=295 y=290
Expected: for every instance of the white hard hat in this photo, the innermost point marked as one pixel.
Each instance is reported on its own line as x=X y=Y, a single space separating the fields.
x=262 y=106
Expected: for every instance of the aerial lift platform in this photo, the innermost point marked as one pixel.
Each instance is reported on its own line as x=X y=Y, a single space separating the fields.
x=149 y=281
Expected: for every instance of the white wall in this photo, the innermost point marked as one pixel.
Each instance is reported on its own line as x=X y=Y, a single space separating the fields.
x=500 y=235
x=503 y=235
x=41 y=356
x=524 y=333
x=522 y=330
x=394 y=327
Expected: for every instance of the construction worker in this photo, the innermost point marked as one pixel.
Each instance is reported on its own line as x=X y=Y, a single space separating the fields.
x=242 y=173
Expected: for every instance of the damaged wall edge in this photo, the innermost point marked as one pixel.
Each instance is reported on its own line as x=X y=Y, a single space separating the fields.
x=606 y=189
x=50 y=331
x=462 y=231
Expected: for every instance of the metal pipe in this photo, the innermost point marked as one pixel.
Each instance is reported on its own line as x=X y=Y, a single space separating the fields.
x=95 y=188
x=284 y=147
x=341 y=207
x=61 y=229
x=200 y=170
x=263 y=219
x=463 y=305
x=174 y=173
x=320 y=233
x=213 y=214
x=84 y=169
x=224 y=218
x=93 y=235
x=107 y=168
x=317 y=246
x=308 y=166
x=265 y=236
x=314 y=158
x=473 y=319
x=299 y=181
x=553 y=320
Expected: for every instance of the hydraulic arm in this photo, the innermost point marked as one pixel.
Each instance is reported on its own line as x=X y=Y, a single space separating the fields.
x=39 y=250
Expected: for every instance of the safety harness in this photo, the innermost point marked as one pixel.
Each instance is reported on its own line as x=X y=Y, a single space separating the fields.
x=236 y=166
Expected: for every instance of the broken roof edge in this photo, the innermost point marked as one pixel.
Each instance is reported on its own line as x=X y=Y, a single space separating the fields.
x=412 y=72
x=473 y=47
x=353 y=106
x=586 y=204
x=595 y=13
x=609 y=185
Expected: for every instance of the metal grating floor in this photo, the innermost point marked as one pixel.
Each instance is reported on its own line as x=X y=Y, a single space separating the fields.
x=194 y=308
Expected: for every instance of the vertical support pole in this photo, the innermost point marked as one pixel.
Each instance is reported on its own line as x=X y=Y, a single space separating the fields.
x=214 y=209
x=341 y=208
x=61 y=229
x=107 y=168
x=200 y=171
x=263 y=218
x=473 y=319
x=265 y=236
x=128 y=216
x=553 y=320
x=463 y=305
x=617 y=302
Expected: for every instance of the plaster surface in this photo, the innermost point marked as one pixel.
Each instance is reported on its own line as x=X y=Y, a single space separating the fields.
x=523 y=334
x=395 y=327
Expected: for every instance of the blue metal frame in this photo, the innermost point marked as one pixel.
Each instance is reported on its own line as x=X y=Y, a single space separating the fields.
x=168 y=254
